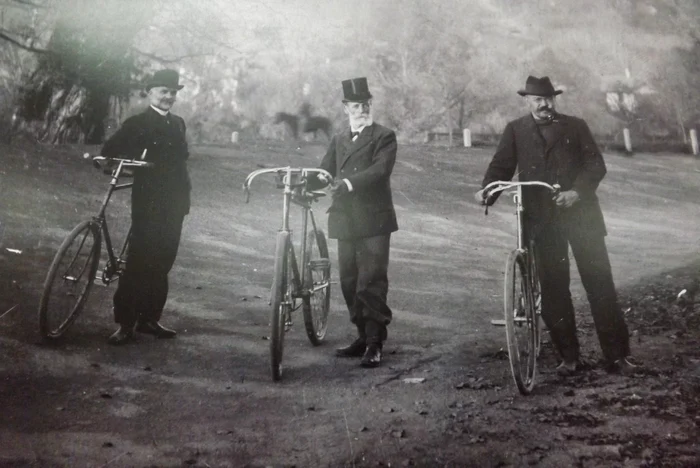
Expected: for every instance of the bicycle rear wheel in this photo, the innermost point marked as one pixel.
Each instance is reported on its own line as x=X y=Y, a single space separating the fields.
x=318 y=283
x=69 y=279
x=281 y=294
x=521 y=322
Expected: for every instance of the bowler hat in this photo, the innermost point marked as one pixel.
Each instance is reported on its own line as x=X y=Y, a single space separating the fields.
x=168 y=78
x=539 y=87
x=356 y=90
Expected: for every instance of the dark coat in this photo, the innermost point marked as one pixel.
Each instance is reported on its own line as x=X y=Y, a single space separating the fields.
x=367 y=163
x=572 y=159
x=166 y=186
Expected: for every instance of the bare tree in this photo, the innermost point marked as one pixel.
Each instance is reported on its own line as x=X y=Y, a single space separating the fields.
x=96 y=54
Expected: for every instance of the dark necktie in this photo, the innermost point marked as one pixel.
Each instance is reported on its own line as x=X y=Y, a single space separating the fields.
x=354 y=135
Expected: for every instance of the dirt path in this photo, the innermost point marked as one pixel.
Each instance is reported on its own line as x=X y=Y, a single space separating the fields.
x=206 y=398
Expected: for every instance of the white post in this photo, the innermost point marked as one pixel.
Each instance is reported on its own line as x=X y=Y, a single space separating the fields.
x=234 y=137
x=694 y=141
x=628 y=140
x=467 y=135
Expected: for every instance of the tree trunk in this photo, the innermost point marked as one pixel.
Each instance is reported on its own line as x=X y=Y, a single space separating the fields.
x=67 y=98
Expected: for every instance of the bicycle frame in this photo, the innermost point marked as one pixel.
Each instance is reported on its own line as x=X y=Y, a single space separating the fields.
x=525 y=246
x=519 y=210
x=112 y=269
x=522 y=301
x=294 y=181
x=114 y=263
x=290 y=190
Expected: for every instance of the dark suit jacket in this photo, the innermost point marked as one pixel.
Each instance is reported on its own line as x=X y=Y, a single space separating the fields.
x=367 y=163
x=167 y=184
x=571 y=159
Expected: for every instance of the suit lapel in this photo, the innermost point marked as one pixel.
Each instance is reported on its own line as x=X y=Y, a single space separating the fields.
x=562 y=130
x=352 y=147
x=538 y=142
x=161 y=121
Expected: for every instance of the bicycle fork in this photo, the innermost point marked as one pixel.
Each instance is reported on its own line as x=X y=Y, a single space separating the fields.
x=285 y=255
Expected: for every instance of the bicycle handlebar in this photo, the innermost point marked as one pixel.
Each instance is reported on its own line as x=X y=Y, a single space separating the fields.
x=98 y=161
x=501 y=185
x=286 y=173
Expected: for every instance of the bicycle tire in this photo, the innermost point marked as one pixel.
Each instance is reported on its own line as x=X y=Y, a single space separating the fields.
x=279 y=310
x=64 y=289
x=521 y=322
x=318 y=273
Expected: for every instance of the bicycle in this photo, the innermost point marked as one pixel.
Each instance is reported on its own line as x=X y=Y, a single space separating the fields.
x=74 y=267
x=522 y=299
x=311 y=282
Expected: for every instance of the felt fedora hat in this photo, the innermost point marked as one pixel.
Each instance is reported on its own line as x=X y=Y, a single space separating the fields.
x=539 y=87
x=356 y=90
x=168 y=78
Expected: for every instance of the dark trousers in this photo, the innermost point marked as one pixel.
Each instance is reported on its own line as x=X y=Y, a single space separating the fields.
x=363 y=265
x=591 y=255
x=143 y=288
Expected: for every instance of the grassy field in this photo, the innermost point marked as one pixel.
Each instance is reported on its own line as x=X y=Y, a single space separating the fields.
x=206 y=398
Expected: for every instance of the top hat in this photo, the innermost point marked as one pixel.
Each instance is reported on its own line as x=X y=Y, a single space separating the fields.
x=356 y=90
x=539 y=87
x=168 y=78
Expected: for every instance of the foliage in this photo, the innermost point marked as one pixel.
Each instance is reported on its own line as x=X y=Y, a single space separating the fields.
x=431 y=65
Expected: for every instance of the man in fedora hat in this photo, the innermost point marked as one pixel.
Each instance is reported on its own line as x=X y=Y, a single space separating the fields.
x=362 y=218
x=160 y=199
x=559 y=149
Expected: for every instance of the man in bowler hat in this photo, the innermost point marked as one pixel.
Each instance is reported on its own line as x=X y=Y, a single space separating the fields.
x=559 y=149
x=160 y=199
x=362 y=218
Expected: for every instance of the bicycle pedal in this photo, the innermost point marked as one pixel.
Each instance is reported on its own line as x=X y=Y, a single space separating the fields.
x=498 y=322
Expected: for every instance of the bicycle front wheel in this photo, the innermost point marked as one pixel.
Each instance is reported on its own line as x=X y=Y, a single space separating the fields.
x=536 y=298
x=521 y=322
x=318 y=284
x=280 y=304
x=69 y=279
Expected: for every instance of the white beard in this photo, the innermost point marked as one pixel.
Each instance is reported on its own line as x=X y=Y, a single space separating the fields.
x=359 y=124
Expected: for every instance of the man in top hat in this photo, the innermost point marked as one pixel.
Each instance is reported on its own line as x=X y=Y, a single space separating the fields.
x=559 y=149
x=160 y=199
x=362 y=218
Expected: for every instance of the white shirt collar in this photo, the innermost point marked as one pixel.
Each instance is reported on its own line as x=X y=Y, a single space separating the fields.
x=160 y=111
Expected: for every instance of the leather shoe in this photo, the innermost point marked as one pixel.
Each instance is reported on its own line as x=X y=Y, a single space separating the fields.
x=567 y=368
x=372 y=356
x=155 y=329
x=354 y=349
x=121 y=336
x=623 y=366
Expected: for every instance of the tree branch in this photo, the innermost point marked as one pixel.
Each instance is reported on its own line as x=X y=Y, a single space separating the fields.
x=160 y=59
x=28 y=3
x=22 y=46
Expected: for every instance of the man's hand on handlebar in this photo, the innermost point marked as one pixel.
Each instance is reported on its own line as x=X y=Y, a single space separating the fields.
x=483 y=198
x=323 y=179
x=567 y=198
